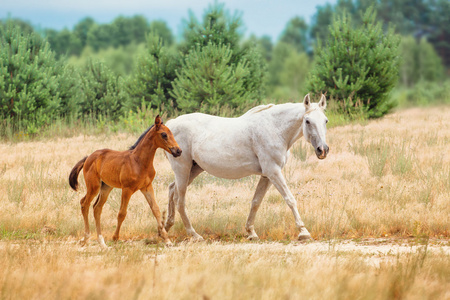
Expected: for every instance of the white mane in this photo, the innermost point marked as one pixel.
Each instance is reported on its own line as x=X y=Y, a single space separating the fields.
x=259 y=108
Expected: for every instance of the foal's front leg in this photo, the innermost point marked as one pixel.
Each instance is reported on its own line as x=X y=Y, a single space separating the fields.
x=150 y=197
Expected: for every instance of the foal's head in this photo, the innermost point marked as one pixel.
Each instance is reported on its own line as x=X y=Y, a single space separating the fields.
x=163 y=138
x=315 y=125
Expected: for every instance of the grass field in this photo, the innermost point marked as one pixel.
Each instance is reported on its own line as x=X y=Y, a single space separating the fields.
x=378 y=208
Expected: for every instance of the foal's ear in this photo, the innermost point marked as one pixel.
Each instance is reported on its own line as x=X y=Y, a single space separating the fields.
x=158 y=122
x=306 y=101
x=323 y=102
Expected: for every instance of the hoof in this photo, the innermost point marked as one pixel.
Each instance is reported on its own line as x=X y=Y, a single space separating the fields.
x=253 y=237
x=197 y=238
x=168 y=244
x=104 y=247
x=84 y=242
x=304 y=237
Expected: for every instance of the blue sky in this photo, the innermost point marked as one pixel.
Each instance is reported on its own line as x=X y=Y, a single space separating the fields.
x=260 y=17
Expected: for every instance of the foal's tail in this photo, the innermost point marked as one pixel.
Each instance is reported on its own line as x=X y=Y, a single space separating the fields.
x=73 y=177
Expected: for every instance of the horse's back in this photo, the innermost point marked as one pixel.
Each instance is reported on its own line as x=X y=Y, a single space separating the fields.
x=221 y=146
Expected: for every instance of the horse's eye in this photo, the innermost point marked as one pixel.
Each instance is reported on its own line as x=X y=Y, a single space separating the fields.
x=326 y=121
x=307 y=122
x=164 y=135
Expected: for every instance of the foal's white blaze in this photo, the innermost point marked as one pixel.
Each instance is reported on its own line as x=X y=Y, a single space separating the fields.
x=258 y=143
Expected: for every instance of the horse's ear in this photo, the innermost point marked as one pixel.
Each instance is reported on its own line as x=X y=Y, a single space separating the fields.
x=323 y=102
x=158 y=121
x=306 y=101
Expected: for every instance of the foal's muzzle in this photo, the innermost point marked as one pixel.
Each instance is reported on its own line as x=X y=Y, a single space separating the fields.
x=322 y=151
x=175 y=151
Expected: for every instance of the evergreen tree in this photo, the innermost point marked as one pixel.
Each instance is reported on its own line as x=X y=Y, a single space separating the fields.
x=151 y=81
x=161 y=29
x=419 y=62
x=30 y=79
x=221 y=30
x=295 y=34
x=82 y=28
x=208 y=79
x=280 y=53
x=101 y=91
x=357 y=65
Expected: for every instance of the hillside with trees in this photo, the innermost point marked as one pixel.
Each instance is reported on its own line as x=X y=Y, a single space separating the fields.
x=367 y=56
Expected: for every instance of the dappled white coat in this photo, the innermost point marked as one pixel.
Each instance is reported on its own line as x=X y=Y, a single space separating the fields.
x=257 y=142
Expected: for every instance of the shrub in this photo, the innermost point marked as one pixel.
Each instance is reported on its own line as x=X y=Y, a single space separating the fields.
x=357 y=66
x=208 y=79
x=101 y=90
x=151 y=81
x=31 y=80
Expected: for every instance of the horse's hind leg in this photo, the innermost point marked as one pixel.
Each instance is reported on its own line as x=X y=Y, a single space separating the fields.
x=98 y=206
x=92 y=190
x=261 y=189
x=173 y=198
x=181 y=183
x=126 y=195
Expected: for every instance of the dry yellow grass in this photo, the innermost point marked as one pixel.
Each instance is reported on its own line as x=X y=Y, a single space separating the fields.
x=389 y=179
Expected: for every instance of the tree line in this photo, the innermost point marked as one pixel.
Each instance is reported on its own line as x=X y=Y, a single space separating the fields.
x=355 y=53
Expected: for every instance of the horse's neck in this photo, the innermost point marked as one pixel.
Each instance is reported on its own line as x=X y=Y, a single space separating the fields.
x=288 y=121
x=145 y=151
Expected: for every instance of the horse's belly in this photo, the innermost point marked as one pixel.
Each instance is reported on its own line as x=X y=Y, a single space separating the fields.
x=230 y=170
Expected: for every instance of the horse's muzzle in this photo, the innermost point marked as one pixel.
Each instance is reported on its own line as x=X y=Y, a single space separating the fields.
x=322 y=152
x=175 y=151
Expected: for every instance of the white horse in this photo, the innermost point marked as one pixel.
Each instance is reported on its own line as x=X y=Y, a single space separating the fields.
x=257 y=142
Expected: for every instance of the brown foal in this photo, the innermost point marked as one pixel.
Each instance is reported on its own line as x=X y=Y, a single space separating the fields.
x=130 y=171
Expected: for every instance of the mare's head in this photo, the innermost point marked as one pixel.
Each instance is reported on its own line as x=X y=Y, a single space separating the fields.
x=163 y=138
x=315 y=125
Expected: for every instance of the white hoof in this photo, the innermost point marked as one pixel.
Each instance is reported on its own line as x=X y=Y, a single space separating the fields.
x=253 y=237
x=102 y=244
x=197 y=238
x=304 y=235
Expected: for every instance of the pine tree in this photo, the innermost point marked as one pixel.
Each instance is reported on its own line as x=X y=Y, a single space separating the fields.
x=222 y=31
x=209 y=80
x=357 y=66
x=151 y=81
x=101 y=90
x=30 y=80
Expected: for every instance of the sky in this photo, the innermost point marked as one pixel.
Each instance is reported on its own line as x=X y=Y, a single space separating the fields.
x=260 y=17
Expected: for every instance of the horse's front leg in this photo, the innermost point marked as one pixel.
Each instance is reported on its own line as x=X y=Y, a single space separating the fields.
x=150 y=197
x=261 y=190
x=277 y=179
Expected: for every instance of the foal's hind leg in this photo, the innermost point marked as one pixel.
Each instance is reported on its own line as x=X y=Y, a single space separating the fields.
x=126 y=195
x=173 y=198
x=150 y=197
x=92 y=190
x=261 y=190
x=98 y=206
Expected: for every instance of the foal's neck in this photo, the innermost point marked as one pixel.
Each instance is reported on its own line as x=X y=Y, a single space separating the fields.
x=146 y=150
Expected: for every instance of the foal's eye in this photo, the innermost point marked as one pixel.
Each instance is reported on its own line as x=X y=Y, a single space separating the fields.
x=326 y=121
x=164 y=135
x=307 y=122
